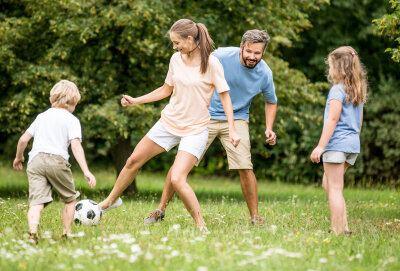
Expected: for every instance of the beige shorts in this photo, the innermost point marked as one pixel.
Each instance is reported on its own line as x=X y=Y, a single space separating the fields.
x=47 y=171
x=239 y=157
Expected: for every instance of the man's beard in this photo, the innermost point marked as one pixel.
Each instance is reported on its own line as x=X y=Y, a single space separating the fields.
x=247 y=59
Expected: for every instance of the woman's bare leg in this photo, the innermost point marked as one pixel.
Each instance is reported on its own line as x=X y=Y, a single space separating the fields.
x=144 y=151
x=184 y=162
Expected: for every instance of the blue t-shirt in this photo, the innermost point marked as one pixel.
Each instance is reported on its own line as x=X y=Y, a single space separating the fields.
x=345 y=138
x=244 y=84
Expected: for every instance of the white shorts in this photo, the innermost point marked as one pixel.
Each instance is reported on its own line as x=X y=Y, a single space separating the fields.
x=193 y=144
x=339 y=157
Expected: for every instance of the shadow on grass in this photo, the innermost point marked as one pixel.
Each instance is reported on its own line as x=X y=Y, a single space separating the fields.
x=150 y=195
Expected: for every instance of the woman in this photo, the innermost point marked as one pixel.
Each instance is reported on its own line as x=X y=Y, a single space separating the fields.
x=192 y=77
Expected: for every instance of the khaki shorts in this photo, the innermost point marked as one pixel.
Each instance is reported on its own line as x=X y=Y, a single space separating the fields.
x=47 y=171
x=239 y=157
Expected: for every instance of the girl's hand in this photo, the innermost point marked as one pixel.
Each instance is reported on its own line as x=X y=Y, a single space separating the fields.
x=17 y=164
x=127 y=100
x=235 y=138
x=316 y=154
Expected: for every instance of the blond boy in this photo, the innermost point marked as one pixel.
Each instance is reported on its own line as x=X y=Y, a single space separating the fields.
x=53 y=131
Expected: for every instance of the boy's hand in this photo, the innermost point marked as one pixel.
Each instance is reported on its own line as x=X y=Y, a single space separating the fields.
x=90 y=178
x=17 y=164
x=127 y=100
x=316 y=154
x=271 y=137
x=235 y=138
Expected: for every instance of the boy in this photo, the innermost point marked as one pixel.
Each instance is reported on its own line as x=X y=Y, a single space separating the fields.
x=53 y=131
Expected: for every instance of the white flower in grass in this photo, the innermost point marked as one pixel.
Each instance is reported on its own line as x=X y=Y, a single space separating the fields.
x=351 y=258
x=78 y=266
x=218 y=244
x=246 y=232
x=61 y=266
x=164 y=239
x=274 y=228
x=202 y=268
x=174 y=253
x=148 y=256
x=113 y=245
x=323 y=260
x=199 y=238
x=96 y=247
x=175 y=227
x=133 y=258
x=129 y=240
x=136 y=248
x=359 y=256
x=144 y=232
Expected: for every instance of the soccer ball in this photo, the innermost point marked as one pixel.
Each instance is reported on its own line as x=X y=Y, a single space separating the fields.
x=87 y=212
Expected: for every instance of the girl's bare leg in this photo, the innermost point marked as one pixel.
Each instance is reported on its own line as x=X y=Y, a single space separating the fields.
x=34 y=217
x=334 y=173
x=68 y=216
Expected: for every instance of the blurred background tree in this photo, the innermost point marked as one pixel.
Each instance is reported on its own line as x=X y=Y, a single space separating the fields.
x=109 y=48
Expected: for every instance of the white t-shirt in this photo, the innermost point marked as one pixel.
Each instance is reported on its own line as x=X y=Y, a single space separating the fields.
x=52 y=131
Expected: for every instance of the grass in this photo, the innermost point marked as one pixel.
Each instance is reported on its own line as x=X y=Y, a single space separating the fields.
x=295 y=236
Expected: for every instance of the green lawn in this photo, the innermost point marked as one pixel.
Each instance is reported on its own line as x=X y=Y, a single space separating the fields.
x=295 y=236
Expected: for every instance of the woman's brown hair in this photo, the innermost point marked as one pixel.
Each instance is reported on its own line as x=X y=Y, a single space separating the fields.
x=199 y=32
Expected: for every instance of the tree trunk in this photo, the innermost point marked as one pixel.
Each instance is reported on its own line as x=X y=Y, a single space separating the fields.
x=120 y=153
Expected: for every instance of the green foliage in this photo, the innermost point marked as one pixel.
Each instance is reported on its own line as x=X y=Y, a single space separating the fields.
x=389 y=26
x=113 y=47
x=348 y=22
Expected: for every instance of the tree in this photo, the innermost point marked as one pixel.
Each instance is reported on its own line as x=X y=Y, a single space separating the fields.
x=389 y=26
x=113 y=47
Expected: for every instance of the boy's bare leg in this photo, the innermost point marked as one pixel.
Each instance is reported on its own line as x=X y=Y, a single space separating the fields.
x=68 y=216
x=335 y=178
x=34 y=217
x=184 y=162
x=248 y=183
x=144 y=151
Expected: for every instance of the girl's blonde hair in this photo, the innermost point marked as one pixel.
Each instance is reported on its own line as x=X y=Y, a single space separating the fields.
x=65 y=94
x=199 y=32
x=345 y=67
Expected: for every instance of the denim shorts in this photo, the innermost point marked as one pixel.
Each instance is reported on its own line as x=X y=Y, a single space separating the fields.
x=339 y=157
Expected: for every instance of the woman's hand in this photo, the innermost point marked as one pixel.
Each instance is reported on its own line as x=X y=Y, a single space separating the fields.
x=127 y=100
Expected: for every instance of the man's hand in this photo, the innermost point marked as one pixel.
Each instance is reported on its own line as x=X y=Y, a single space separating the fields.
x=235 y=138
x=90 y=178
x=17 y=164
x=127 y=100
x=316 y=154
x=271 y=137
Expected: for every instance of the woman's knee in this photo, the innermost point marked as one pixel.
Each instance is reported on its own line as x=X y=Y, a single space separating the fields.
x=177 y=180
x=132 y=161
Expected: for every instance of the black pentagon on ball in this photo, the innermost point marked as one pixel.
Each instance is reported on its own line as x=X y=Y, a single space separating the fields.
x=90 y=214
x=93 y=202
x=78 y=206
x=77 y=221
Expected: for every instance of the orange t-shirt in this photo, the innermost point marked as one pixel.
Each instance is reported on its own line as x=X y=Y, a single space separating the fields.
x=187 y=111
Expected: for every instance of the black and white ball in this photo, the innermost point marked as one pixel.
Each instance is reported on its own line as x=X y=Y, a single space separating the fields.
x=87 y=212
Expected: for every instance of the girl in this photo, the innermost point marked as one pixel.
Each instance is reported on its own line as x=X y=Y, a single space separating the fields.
x=192 y=77
x=339 y=144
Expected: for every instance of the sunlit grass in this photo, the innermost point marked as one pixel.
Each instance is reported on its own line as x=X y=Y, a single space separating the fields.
x=294 y=238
